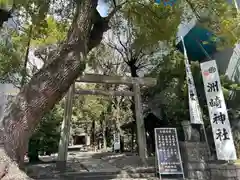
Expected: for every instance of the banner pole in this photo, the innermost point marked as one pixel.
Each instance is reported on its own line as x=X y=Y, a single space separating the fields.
x=206 y=139
x=200 y=112
x=236 y=5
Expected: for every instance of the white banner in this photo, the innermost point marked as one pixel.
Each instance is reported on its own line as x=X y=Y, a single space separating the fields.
x=194 y=107
x=221 y=128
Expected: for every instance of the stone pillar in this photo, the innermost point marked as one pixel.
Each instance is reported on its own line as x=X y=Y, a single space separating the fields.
x=195 y=157
x=187 y=129
x=141 y=133
x=88 y=140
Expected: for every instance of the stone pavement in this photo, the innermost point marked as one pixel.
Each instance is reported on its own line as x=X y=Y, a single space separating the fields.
x=97 y=165
x=129 y=162
x=47 y=169
x=92 y=166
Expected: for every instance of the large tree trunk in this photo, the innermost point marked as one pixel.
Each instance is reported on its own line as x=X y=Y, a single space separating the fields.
x=48 y=86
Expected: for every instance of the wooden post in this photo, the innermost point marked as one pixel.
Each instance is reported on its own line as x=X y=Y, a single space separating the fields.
x=65 y=130
x=104 y=133
x=141 y=135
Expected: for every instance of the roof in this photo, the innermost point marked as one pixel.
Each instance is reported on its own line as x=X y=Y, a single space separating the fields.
x=78 y=132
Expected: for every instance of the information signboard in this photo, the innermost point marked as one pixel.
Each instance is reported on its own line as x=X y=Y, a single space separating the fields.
x=167 y=150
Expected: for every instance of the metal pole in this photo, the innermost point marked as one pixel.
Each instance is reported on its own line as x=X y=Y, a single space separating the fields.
x=206 y=139
x=208 y=56
x=204 y=130
x=204 y=51
x=236 y=5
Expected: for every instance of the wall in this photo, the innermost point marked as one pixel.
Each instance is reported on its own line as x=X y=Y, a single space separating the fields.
x=198 y=164
x=195 y=157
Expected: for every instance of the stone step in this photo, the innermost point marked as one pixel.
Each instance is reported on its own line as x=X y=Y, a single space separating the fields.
x=86 y=174
x=112 y=175
x=101 y=178
x=141 y=170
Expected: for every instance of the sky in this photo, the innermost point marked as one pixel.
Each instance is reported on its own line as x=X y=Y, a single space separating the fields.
x=102 y=8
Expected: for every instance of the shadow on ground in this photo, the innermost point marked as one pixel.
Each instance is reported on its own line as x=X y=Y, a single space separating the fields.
x=126 y=165
x=47 y=170
x=129 y=164
x=125 y=160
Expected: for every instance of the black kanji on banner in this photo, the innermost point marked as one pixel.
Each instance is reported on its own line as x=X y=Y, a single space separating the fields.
x=215 y=102
x=222 y=135
x=213 y=86
x=219 y=118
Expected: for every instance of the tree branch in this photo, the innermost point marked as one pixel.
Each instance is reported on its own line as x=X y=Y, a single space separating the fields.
x=154 y=13
x=100 y=25
x=193 y=9
x=119 y=51
x=124 y=47
x=113 y=12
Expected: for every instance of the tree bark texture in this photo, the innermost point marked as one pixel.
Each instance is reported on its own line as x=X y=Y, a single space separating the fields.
x=47 y=87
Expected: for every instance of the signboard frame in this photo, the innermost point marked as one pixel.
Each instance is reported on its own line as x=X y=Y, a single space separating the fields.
x=157 y=156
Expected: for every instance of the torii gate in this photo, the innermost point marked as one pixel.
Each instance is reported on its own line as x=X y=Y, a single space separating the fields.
x=97 y=78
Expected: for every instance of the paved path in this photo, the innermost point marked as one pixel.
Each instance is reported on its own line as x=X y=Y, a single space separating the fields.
x=97 y=165
x=82 y=166
x=91 y=164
